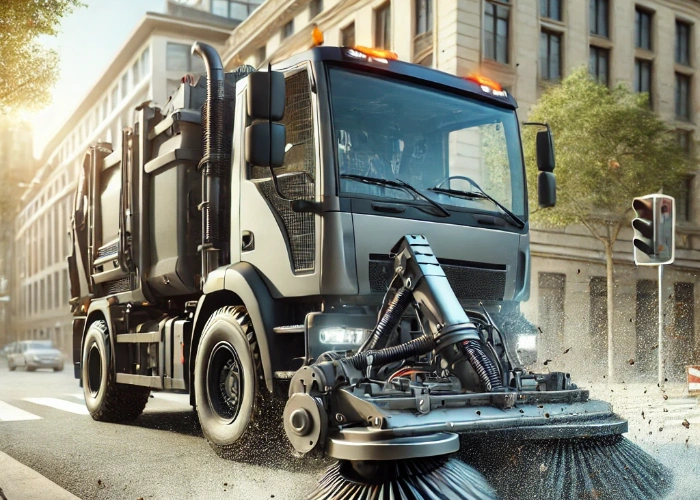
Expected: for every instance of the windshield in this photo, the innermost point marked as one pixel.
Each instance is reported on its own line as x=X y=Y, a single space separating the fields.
x=430 y=139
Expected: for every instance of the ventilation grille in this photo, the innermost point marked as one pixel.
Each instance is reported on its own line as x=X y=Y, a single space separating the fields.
x=468 y=282
x=118 y=286
x=296 y=179
x=107 y=250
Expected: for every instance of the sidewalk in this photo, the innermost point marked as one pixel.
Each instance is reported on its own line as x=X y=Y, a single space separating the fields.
x=19 y=482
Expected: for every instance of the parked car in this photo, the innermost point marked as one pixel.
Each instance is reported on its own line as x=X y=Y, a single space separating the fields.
x=33 y=354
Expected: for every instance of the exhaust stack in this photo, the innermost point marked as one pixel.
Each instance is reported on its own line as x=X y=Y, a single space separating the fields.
x=215 y=162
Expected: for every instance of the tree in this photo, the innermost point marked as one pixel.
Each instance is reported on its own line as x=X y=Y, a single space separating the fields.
x=609 y=147
x=28 y=70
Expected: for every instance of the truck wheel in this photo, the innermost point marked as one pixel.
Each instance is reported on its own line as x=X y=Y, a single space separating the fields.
x=106 y=400
x=233 y=404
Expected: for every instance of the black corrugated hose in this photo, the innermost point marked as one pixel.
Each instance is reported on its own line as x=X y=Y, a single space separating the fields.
x=416 y=347
x=485 y=369
x=389 y=320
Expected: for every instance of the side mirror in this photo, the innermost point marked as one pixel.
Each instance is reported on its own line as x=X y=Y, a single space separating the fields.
x=546 y=189
x=265 y=144
x=545 y=151
x=266 y=95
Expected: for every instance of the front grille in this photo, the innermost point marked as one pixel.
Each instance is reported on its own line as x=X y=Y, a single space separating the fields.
x=118 y=286
x=467 y=281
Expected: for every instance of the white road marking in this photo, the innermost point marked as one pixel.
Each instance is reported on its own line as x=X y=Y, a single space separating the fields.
x=60 y=404
x=177 y=398
x=77 y=395
x=9 y=413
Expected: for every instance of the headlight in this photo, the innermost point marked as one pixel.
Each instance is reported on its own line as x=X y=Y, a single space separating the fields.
x=342 y=335
x=527 y=342
x=35 y=358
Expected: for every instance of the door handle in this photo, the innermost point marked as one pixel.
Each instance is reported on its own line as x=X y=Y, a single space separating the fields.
x=247 y=241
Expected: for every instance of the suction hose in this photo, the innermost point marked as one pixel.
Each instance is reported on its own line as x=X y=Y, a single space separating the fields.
x=416 y=347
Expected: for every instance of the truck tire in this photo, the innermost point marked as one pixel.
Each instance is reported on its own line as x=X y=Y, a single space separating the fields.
x=233 y=405
x=106 y=400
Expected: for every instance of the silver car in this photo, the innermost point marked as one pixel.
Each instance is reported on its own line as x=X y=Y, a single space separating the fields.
x=33 y=354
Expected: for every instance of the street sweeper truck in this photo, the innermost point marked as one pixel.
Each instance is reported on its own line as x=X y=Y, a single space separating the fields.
x=331 y=251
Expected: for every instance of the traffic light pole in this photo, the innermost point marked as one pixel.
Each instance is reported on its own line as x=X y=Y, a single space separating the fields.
x=661 y=326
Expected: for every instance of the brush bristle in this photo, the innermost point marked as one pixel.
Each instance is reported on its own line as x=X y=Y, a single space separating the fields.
x=420 y=479
x=611 y=468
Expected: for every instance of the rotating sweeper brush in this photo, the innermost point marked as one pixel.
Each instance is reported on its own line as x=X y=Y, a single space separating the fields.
x=394 y=412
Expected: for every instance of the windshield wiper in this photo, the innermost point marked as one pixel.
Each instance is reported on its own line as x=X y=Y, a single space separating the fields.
x=397 y=183
x=481 y=195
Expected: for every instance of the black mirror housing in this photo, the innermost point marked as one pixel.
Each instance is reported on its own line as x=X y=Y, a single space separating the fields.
x=265 y=143
x=545 y=151
x=546 y=189
x=266 y=95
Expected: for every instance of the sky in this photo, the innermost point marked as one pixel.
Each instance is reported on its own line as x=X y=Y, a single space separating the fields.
x=88 y=40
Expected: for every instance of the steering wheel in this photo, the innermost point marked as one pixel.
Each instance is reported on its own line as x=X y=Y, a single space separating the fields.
x=458 y=177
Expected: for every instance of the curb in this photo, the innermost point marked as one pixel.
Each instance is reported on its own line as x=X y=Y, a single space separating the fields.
x=19 y=482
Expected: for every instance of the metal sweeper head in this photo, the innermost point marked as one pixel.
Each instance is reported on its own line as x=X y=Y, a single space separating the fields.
x=394 y=411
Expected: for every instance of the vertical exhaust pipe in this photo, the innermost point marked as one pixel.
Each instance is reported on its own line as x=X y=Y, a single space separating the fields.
x=215 y=163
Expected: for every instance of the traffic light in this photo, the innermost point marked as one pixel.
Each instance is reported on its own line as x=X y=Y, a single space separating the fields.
x=654 y=230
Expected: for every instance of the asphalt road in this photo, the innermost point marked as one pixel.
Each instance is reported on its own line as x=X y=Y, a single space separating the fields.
x=162 y=455
x=45 y=426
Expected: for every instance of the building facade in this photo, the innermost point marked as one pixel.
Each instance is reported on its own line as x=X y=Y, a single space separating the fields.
x=148 y=67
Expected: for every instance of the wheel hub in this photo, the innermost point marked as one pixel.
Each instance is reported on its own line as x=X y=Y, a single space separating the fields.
x=224 y=382
x=94 y=369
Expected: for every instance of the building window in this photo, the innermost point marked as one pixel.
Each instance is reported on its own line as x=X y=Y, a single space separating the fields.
x=125 y=84
x=424 y=16
x=599 y=64
x=550 y=56
x=135 y=74
x=288 y=29
x=683 y=337
x=598 y=17
x=552 y=289
x=642 y=76
x=598 y=317
x=683 y=199
x=178 y=58
x=642 y=29
x=551 y=9
x=685 y=141
x=232 y=10
x=382 y=27
x=315 y=8
x=496 y=19
x=683 y=43
x=146 y=61
x=347 y=36
x=683 y=83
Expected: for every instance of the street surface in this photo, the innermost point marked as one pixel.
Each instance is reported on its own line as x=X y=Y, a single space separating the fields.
x=45 y=426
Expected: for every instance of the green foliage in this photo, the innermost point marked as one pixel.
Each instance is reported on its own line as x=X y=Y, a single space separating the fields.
x=28 y=69
x=609 y=148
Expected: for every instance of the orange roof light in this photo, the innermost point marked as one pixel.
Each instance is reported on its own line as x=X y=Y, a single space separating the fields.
x=487 y=82
x=317 y=36
x=377 y=53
